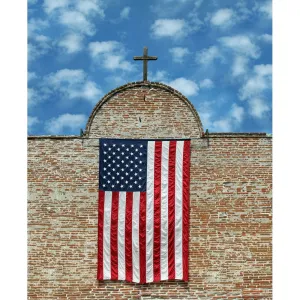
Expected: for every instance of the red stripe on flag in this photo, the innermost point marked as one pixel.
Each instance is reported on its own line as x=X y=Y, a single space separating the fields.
x=101 y=196
x=142 y=235
x=171 y=211
x=185 y=209
x=157 y=200
x=114 y=235
x=128 y=236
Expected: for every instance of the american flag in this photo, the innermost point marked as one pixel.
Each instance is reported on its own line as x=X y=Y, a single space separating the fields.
x=143 y=226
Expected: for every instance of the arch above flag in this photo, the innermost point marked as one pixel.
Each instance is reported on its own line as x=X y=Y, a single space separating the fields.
x=143 y=225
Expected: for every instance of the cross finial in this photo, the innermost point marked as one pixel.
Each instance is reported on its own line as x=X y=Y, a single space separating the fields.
x=145 y=59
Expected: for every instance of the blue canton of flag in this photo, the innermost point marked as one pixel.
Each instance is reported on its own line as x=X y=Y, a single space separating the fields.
x=123 y=165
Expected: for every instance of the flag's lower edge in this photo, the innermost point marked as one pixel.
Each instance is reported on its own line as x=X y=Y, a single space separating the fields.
x=155 y=281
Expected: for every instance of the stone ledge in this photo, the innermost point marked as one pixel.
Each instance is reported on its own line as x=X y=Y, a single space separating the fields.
x=210 y=135
x=53 y=137
x=238 y=134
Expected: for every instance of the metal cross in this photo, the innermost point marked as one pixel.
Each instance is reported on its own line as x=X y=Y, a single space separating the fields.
x=145 y=59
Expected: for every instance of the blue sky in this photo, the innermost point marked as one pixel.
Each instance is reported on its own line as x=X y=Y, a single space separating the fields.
x=217 y=53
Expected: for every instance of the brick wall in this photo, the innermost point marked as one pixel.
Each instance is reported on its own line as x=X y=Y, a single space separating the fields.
x=230 y=211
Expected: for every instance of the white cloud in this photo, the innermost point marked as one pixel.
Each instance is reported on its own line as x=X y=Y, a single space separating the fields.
x=77 y=21
x=208 y=55
x=68 y=84
x=240 y=66
x=32 y=97
x=159 y=76
x=91 y=92
x=39 y=45
x=52 y=5
x=206 y=84
x=169 y=8
x=70 y=122
x=110 y=54
x=35 y=26
x=185 y=86
x=31 y=76
x=66 y=75
x=198 y=3
x=97 y=48
x=113 y=62
x=243 y=11
x=266 y=38
x=193 y=18
x=254 y=90
x=90 y=7
x=72 y=43
x=206 y=119
x=178 y=53
x=253 y=87
x=34 y=94
x=222 y=125
x=175 y=1
x=231 y=121
x=73 y=84
x=237 y=113
x=116 y=80
x=263 y=70
x=223 y=18
x=256 y=84
x=209 y=110
x=258 y=107
x=174 y=28
x=31 y=121
x=76 y=16
x=265 y=9
x=242 y=45
x=42 y=38
x=206 y=112
x=124 y=14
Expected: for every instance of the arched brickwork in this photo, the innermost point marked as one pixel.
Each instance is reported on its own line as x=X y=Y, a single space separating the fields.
x=144 y=110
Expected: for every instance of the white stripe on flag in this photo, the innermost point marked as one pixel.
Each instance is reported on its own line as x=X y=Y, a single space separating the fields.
x=135 y=237
x=149 y=215
x=164 y=211
x=106 y=237
x=121 y=236
x=178 y=210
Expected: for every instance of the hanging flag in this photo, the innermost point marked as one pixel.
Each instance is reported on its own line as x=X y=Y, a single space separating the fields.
x=143 y=228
